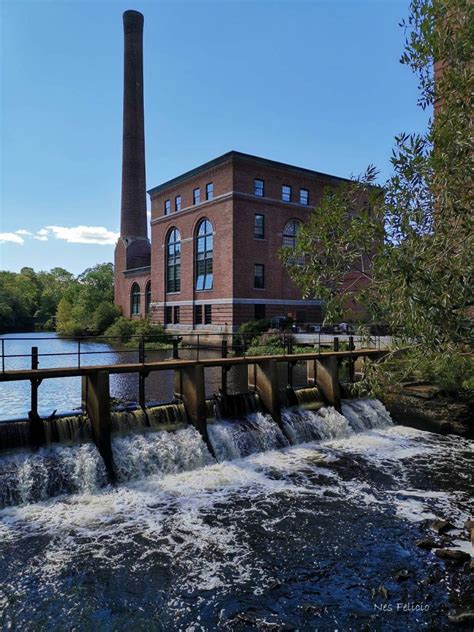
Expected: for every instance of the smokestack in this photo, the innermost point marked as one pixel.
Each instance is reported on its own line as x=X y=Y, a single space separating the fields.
x=133 y=221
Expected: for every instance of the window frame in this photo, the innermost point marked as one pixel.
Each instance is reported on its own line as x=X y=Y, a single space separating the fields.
x=176 y=314
x=259 y=307
x=148 y=298
x=173 y=261
x=197 y=316
x=177 y=203
x=307 y=197
x=255 y=226
x=135 y=299
x=168 y=314
x=290 y=236
x=283 y=193
x=204 y=257
x=208 y=314
x=257 y=286
x=209 y=191
x=196 y=196
x=257 y=188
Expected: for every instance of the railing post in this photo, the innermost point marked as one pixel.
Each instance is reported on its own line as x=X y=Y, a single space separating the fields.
x=336 y=343
x=175 y=343
x=78 y=353
x=3 y=355
x=37 y=430
x=224 y=368
x=197 y=350
x=351 y=360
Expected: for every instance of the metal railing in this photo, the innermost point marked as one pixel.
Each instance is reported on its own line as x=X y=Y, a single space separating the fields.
x=237 y=344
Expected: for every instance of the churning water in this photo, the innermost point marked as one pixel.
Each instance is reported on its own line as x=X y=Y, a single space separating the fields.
x=271 y=536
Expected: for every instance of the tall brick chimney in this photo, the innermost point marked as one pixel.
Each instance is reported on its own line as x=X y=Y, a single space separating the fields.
x=133 y=214
x=133 y=247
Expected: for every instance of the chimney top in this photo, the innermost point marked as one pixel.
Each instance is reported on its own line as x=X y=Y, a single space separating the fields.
x=132 y=20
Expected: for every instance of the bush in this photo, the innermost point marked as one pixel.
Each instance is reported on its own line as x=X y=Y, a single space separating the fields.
x=249 y=331
x=123 y=329
x=103 y=317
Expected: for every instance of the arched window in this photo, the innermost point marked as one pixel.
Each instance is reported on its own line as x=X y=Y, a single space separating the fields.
x=289 y=233
x=148 y=298
x=173 y=261
x=204 y=247
x=135 y=300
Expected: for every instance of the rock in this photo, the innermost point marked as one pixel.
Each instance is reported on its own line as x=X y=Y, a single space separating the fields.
x=401 y=576
x=453 y=555
x=463 y=616
x=469 y=524
x=441 y=526
x=426 y=543
x=471 y=566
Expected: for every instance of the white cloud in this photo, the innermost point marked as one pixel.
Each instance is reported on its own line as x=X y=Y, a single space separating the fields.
x=43 y=232
x=41 y=237
x=82 y=234
x=22 y=231
x=11 y=237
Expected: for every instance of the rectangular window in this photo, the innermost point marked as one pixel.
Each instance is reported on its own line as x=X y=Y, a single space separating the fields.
x=198 y=314
x=176 y=315
x=197 y=196
x=259 y=226
x=168 y=315
x=177 y=203
x=167 y=207
x=286 y=193
x=259 y=276
x=304 y=197
x=209 y=190
x=259 y=187
x=259 y=312
x=207 y=314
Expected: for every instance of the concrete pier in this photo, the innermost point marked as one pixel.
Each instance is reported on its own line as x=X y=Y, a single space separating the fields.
x=327 y=378
x=96 y=391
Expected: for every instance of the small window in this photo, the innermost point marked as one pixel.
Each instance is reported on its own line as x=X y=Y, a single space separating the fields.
x=209 y=190
x=259 y=226
x=135 y=300
x=148 y=298
x=286 y=193
x=290 y=232
x=176 y=315
x=259 y=311
x=304 y=197
x=259 y=276
x=167 y=207
x=198 y=314
x=168 y=315
x=259 y=187
x=207 y=314
x=197 y=196
x=177 y=203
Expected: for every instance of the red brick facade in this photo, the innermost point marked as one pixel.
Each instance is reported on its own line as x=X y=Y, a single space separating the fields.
x=236 y=251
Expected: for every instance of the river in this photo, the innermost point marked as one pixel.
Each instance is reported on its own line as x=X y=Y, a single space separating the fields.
x=317 y=535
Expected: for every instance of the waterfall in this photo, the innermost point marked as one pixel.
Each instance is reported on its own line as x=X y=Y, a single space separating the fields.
x=307 y=425
x=159 y=453
x=236 y=439
x=27 y=477
x=366 y=414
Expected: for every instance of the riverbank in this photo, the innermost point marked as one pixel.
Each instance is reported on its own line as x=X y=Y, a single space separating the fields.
x=423 y=406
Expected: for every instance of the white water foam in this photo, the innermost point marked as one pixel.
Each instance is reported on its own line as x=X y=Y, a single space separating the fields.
x=27 y=477
x=303 y=426
x=258 y=432
x=159 y=453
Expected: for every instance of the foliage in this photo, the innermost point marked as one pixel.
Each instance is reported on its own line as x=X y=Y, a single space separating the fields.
x=125 y=330
x=29 y=297
x=248 y=331
x=420 y=281
x=86 y=306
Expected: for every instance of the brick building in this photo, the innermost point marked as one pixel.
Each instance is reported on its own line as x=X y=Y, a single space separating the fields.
x=216 y=230
x=215 y=235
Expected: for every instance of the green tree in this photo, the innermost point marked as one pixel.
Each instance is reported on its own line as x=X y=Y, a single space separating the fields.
x=421 y=267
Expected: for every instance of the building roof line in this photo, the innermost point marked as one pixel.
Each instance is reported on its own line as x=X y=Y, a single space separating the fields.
x=231 y=155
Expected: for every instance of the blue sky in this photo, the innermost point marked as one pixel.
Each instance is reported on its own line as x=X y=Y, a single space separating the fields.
x=308 y=82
